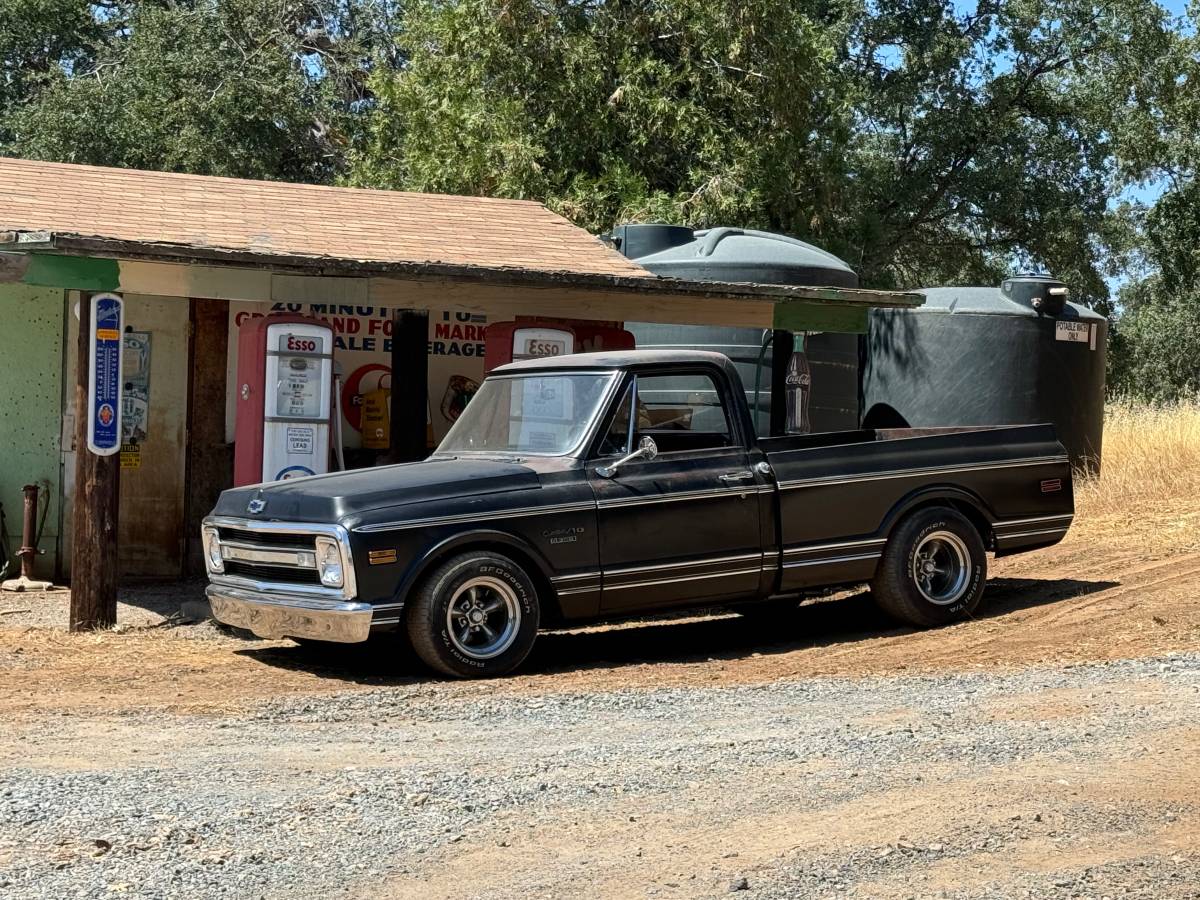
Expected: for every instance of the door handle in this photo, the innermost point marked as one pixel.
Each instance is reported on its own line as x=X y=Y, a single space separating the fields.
x=737 y=477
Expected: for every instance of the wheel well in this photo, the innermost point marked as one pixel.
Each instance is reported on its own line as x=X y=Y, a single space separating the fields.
x=969 y=511
x=547 y=596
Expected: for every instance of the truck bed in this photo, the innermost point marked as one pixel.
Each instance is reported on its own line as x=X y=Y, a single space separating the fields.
x=838 y=494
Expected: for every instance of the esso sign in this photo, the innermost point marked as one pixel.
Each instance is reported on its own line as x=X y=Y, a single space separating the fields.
x=299 y=344
x=545 y=348
x=533 y=343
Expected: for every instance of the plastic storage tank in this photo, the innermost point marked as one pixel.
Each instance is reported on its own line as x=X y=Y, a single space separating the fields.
x=736 y=254
x=1017 y=354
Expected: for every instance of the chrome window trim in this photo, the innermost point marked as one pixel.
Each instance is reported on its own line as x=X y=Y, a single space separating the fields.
x=914 y=473
x=349 y=588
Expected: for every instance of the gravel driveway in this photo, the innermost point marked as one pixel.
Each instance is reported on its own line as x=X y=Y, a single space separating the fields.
x=1073 y=781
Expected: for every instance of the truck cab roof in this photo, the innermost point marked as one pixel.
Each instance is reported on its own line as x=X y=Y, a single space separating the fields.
x=616 y=359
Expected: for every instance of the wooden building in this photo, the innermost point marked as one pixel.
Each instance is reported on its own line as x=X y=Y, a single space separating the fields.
x=193 y=256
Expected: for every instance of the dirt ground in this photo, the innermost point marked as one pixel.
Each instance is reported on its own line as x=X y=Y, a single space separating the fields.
x=1113 y=589
x=1121 y=588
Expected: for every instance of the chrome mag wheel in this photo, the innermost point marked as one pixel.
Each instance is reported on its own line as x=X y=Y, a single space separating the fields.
x=941 y=567
x=483 y=617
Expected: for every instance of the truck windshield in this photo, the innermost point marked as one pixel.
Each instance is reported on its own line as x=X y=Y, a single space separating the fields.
x=544 y=414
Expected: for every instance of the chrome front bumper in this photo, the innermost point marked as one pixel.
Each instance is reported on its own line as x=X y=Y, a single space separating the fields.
x=278 y=616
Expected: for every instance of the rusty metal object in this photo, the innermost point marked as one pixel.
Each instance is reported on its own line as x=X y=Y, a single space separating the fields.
x=29 y=536
x=29 y=531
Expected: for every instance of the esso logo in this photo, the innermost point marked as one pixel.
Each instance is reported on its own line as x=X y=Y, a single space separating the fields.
x=301 y=344
x=538 y=348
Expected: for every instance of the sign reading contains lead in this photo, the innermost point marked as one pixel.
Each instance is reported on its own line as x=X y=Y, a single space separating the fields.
x=299 y=439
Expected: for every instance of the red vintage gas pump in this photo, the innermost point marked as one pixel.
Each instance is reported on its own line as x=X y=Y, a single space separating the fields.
x=284 y=390
x=528 y=337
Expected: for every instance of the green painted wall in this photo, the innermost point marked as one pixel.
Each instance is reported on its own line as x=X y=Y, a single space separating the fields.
x=31 y=341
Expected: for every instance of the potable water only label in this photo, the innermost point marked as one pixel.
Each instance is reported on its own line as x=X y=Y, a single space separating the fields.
x=104 y=374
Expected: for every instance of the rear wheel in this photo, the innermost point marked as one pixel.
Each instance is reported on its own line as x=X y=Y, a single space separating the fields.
x=933 y=569
x=474 y=616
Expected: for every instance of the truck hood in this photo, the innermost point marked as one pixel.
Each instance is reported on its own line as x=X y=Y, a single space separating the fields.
x=331 y=498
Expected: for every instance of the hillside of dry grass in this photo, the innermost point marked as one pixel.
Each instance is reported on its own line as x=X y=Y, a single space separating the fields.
x=1149 y=486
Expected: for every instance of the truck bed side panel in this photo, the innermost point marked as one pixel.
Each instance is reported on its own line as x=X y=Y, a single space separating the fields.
x=837 y=504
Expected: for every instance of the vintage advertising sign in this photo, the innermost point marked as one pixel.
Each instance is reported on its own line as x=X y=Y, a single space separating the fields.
x=104 y=374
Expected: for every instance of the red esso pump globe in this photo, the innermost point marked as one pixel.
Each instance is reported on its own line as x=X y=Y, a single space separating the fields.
x=531 y=338
x=284 y=399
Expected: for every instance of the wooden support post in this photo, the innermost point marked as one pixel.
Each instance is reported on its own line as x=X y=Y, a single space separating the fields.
x=97 y=495
x=781 y=355
x=410 y=385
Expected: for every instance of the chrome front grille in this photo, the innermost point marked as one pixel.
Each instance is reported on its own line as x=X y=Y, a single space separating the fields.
x=277 y=557
x=282 y=574
x=272 y=538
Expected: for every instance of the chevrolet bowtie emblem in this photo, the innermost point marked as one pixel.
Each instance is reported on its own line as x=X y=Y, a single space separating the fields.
x=256 y=505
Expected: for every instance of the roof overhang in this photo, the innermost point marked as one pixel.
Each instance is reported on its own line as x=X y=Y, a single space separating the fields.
x=81 y=262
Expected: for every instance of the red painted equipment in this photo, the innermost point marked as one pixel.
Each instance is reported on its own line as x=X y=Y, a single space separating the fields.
x=529 y=337
x=284 y=389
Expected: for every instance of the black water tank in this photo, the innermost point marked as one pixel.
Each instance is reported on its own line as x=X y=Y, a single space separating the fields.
x=737 y=254
x=1017 y=354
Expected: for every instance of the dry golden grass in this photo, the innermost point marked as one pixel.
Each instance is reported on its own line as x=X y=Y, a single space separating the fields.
x=1150 y=479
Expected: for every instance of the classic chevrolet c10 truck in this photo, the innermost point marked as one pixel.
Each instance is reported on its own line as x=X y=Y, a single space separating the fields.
x=607 y=485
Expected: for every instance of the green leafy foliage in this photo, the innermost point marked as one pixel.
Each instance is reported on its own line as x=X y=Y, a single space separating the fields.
x=1156 y=348
x=246 y=88
x=920 y=143
x=39 y=41
x=924 y=141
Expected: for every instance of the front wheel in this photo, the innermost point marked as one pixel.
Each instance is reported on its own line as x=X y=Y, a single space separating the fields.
x=933 y=569
x=474 y=616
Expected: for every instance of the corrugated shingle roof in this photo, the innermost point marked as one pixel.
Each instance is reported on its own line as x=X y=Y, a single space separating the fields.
x=298 y=220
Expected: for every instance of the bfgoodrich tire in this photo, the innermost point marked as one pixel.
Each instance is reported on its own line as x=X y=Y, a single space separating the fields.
x=933 y=569
x=474 y=616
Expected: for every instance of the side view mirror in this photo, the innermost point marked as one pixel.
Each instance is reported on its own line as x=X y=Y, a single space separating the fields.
x=646 y=450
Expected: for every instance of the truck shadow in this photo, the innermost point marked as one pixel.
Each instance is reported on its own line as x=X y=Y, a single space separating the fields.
x=842 y=619
x=693 y=636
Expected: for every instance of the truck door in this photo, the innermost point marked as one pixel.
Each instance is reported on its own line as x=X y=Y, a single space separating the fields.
x=685 y=525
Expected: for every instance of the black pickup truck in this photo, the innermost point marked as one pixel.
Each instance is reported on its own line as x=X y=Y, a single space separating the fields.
x=607 y=485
